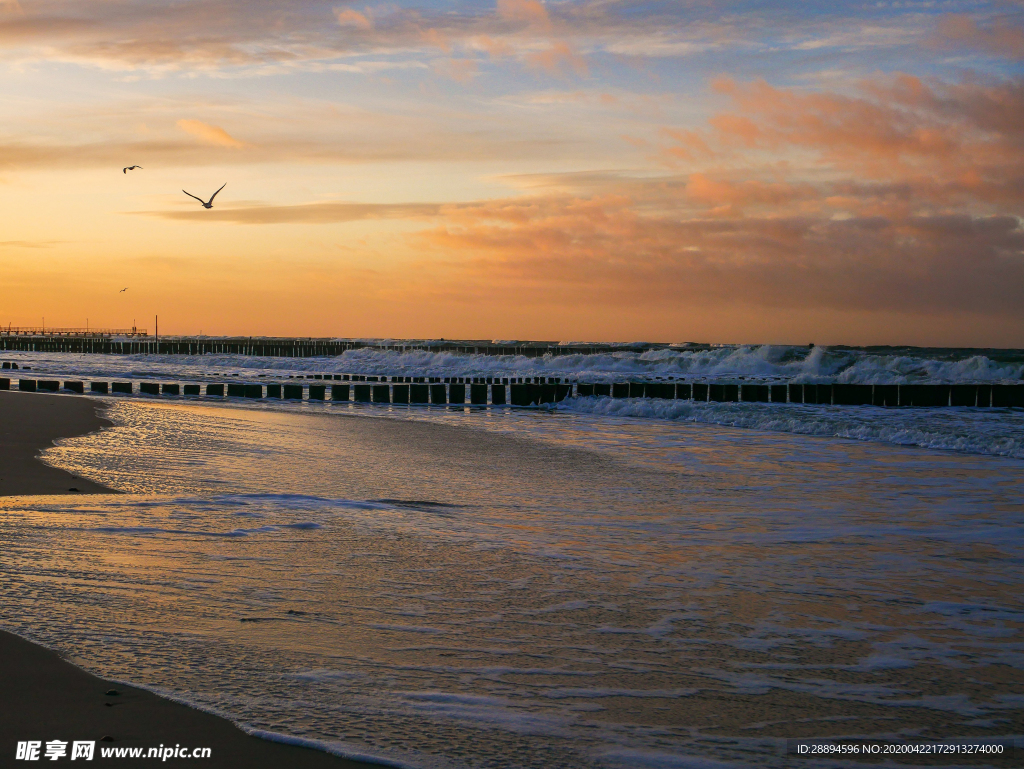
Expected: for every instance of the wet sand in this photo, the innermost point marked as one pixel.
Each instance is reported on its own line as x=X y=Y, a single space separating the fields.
x=31 y=422
x=42 y=696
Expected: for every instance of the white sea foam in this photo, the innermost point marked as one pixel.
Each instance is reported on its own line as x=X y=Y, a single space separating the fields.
x=820 y=364
x=502 y=712
x=998 y=432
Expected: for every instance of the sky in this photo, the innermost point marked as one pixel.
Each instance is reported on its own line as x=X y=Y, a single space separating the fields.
x=569 y=170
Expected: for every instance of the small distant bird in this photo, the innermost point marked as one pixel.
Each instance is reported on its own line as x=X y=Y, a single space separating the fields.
x=126 y=169
x=207 y=203
x=123 y=290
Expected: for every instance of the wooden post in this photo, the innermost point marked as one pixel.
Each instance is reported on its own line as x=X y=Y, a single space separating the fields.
x=457 y=394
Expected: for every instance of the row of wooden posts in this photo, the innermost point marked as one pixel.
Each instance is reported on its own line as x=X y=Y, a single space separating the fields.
x=519 y=393
x=140 y=344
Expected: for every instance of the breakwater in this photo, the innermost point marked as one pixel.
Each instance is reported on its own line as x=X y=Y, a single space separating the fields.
x=538 y=391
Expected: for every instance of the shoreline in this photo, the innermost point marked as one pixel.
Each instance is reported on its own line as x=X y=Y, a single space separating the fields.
x=45 y=697
x=29 y=424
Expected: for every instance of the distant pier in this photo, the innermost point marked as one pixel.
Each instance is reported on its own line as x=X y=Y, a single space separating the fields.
x=138 y=342
x=44 y=333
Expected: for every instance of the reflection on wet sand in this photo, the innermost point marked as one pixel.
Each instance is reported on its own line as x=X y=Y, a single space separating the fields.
x=449 y=591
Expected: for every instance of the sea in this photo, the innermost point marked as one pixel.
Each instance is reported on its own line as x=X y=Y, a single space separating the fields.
x=605 y=583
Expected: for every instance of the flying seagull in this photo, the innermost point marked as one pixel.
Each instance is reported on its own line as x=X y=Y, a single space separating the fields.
x=123 y=290
x=207 y=203
x=126 y=169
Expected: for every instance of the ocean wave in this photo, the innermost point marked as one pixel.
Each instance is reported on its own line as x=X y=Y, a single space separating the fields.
x=997 y=432
x=766 y=362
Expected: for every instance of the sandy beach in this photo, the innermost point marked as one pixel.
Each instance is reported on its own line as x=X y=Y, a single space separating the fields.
x=44 y=697
x=31 y=422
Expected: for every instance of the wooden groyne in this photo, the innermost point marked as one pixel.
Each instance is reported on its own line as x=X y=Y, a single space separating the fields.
x=138 y=343
x=539 y=391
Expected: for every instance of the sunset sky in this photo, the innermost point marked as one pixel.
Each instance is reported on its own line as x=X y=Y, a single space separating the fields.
x=824 y=172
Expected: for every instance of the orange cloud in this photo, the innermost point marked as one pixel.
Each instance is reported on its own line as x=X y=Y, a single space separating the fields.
x=494 y=48
x=900 y=197
x=349 y=17
x=690 y=144
x=894 y=127
x=742 y=129
x=309 y=213
x=1002 y=38
x=530 y=12
x=210 y=134
x=436 y=38
x=558 y=56
x=718 y=193
x=607 y=248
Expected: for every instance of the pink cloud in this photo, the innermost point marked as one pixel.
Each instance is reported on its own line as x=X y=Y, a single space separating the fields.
x=349 y=17
x=494 y=48
x=558 y=57
x=529 y=12
x=436 y=38
x=1003 y=37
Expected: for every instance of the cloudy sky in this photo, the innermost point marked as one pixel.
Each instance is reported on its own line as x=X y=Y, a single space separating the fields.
x=835 y=172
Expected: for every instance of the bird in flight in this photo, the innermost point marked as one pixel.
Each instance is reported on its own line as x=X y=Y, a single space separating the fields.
x=123 y=290
x=126 y=169
x=207 y=203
